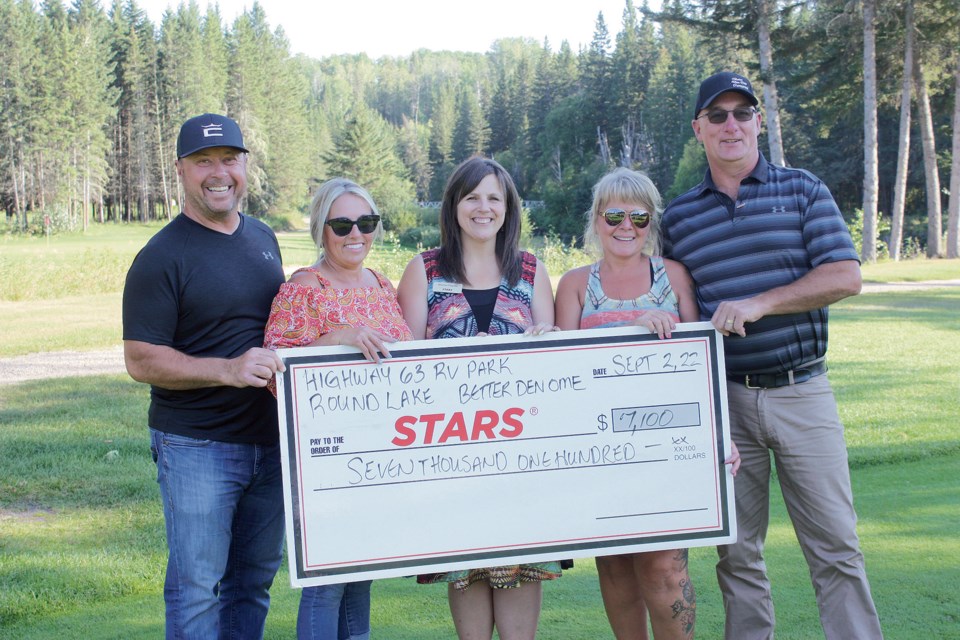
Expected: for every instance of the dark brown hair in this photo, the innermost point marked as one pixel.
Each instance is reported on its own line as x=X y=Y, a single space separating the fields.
x=464 y=180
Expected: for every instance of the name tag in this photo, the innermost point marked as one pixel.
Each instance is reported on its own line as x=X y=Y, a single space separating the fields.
x=447 y=287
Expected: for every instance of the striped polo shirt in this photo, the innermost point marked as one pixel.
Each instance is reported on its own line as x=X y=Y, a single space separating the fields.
x=784 y=223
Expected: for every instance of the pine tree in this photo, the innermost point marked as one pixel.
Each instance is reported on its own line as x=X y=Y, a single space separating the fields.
x=596 y=77
x=135 y=150
x=366 y=152
x=20 y=72
x=471 y=134
x=266 y=95
x=674 y=81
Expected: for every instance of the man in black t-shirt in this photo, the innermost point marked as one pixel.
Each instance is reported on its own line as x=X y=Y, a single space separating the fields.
x=195 y=304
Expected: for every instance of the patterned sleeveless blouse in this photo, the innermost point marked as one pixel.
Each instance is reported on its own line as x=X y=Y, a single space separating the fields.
x=449 y=314
x=299 y=314
x=602 y=311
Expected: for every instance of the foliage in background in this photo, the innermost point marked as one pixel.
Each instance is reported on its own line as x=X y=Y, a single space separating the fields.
x=93 y=100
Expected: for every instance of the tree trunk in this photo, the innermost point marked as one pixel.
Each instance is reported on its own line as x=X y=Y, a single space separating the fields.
x=771 y=102
x=903 y=157
x=934 y=224
x=163 y=156
x=953 y=217
x=19 y=208
x=871 y=178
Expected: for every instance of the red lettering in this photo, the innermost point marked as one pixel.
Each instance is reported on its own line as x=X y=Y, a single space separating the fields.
x=455 y=428
x=431 y=421
x=404 y=426
x=483 y=423
x=512 y=417
x=484 y=427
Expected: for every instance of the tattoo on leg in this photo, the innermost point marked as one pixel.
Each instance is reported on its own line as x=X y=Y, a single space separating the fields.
x=685 y=610
x=683 y=557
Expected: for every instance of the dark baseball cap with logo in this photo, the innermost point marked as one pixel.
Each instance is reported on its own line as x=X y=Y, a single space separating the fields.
x=208 y=130
x=721 y=83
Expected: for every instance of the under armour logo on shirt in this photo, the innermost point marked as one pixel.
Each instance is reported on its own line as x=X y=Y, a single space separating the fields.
x=267 y=255
x=213 y=131
x=779 y=210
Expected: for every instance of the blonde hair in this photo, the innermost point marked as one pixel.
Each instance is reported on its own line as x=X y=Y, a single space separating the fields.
x=323 y=200
x=625 y=185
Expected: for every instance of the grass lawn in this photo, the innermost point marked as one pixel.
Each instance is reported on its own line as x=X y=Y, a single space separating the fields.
x=81 y=530
x=64 y=293
x=82 y=544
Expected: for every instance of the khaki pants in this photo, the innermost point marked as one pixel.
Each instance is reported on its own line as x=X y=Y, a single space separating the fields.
x=800 y=425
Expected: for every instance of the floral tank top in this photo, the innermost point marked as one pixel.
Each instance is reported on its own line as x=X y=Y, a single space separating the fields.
x=602 y=311
x=449 y=314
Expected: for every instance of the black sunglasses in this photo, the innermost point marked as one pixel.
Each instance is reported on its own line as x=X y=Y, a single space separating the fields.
x=719 y=116
x=614 y=217
x=343 y=226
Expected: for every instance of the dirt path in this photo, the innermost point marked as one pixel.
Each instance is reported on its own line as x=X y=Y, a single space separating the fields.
x=64 y=364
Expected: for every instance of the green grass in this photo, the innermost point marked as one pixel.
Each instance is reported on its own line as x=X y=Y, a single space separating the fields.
x=80 y=322
x=893 y=361
x=64 y=292
x=69 y=264
x=911 y=270
x=81 y=530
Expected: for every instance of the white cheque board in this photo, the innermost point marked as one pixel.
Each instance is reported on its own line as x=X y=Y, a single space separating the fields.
x=502 y=450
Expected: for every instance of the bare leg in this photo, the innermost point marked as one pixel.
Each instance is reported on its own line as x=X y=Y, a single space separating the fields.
x=668 y=592
x=516 y=611
x=472 y=611
x=622 y=598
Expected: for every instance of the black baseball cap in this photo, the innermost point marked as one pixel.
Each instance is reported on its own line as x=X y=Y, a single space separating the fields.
x=208 y=130
x=721 y=83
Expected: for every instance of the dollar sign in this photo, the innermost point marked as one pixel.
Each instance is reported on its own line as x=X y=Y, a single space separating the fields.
x=602 y=420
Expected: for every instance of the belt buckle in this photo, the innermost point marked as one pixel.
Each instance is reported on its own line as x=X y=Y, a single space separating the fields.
x=746 y=383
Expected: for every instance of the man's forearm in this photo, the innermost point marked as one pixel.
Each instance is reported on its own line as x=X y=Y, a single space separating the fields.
x=824 y=285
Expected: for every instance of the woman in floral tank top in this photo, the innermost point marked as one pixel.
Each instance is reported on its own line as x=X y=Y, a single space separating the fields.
x=338 y=301
x=479 y=283
x=631 y=286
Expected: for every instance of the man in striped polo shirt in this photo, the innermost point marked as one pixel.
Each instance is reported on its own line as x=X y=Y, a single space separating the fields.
x=769 y=251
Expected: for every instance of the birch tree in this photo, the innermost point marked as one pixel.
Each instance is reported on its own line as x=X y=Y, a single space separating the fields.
x=871 y=178
x=934 y=224
x=953 y=217
x=903 y=156
x=771 y=100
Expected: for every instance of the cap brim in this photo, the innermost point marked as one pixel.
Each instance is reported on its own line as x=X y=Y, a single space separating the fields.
x=210 y=146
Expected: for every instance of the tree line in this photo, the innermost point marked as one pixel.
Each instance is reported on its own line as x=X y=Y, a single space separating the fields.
x=864 y=93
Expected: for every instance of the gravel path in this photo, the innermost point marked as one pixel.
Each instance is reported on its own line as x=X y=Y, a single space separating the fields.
x=63 y=364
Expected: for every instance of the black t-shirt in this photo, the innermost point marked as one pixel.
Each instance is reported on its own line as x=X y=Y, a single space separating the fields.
x=206 y=294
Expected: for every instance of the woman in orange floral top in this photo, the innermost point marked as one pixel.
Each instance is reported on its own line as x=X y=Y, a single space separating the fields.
x=338 y=301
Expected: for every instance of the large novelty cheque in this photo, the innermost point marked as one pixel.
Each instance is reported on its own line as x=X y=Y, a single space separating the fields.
x=488 y=451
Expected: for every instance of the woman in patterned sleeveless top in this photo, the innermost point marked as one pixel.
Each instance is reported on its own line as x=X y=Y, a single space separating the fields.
x=479 y=283
x=631 y=285
x=338 y=301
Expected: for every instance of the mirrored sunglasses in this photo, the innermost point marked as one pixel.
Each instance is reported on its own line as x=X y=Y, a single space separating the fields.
x=343 y=226
x=614 y=217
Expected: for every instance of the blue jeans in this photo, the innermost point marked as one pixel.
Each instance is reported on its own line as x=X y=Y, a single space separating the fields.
x=223 y=507
x=335 y=612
